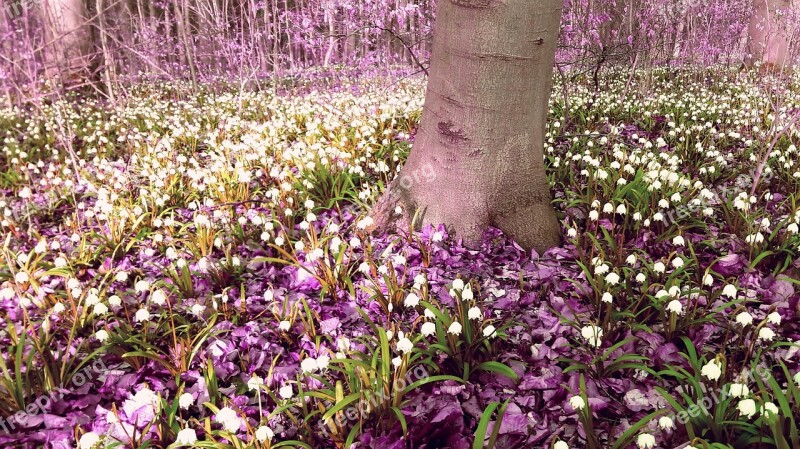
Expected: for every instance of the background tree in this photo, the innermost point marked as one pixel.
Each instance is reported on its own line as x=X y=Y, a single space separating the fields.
x=771 y=32
x=69 y=40
x=480 y=140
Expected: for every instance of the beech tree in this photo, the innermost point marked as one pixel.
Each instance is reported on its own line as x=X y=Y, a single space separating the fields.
x=770 y=32
x=481 y=135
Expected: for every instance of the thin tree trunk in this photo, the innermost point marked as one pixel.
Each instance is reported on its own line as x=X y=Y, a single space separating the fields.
x=108 y=62
x=478 y=156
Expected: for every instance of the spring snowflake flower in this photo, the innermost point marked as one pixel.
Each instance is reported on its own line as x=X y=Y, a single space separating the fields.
x=708 y=280
x=141 y=286
x=594 y=215
x=747 y=407
x=744 y=318
x=730 y=291
x=254 y=383
x=466 y=294
x=404 y=345
x=793 y=228
x=323 y=361
x=419 y=280
x=607 y=297
x=474 y=313
x=612 y=278
x=57 y=308
x=185 y=401
x=101 y=335
x=229 y=419
x=186 y=437
x=766 y=334
x=675 y=307
x=797 y=378
x=455 y=328
x=659 y=267
x=21 y=277
x=88 y=440
x=489 y=331
x=142 y=315
x=677 y=262
x=631 y=260
x=678 y=241
x=622 y=210
x=774 y=318
x=264 y=433
x=712 y=370
x=662 y=294
x=769 y=409
x=646 y=441
x=286 y=392
x=738 y=390
x=593 y=335
x=666 y=423
x=412 y=300
x=601 y=269
x=158 y=297
x=561 y=445
x=284 y=326
x=308 y=365
x=428 y=329
x=572 y=233
x=640 y=278
x=577 y=403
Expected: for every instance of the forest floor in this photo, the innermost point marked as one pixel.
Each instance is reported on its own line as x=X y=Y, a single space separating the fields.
x=193 y=271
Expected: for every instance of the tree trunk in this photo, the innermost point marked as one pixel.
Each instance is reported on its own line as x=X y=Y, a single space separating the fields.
x=69 y=41
x=770 y=33
x=478 y=156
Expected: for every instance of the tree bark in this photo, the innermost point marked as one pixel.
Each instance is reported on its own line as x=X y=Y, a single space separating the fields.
x=478 y=156
x=770 y=33
x=69 y=39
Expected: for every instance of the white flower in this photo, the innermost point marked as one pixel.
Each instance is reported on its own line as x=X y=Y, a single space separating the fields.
x=100 y=309
x=404 y=345
x=159 y=297
x=621 y=209
x=607 y=297
x=675 y=307
x=766 y=334
x=466 y=294
x=659 y=267
x=428 y=328
x=21 y=277
x=769 y=409
x=308 y=365
x=286 y=392
x=612 y=278
x=323 y=361
x=577 y=403
x=572 y=233
x=646 y=441
x=114 y=300
x=142 y=315
x=666 y=423
x=712 y=370
x=474 y=313
x=593 y=335
x=229 y=419
x=678 y=241
x=774 y=318
x=455 y=328
x=101 y=335
x=747 y=407
x=561 y=445
x=264 y=433
x=141 y=286
x=89 y=440
x=677 y=262
x=729 y=291
x=708 y=280
x=489 y=331
x=797 y=378
x=631 y=260
x=254 y=383
x=185 y=401
x=738 y=390
x=284 y=325
x=594 y=215
x=640 y=278
x=458 y=284
x=412 y=300
x=744 y=318
x=186 y=437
